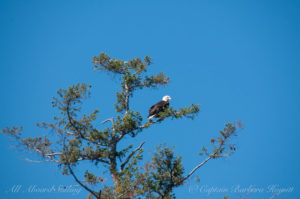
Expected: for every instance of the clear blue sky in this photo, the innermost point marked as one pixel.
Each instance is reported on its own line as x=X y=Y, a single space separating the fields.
x=238 y=59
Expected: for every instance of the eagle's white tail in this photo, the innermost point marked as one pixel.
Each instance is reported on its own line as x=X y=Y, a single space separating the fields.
x=150 y=117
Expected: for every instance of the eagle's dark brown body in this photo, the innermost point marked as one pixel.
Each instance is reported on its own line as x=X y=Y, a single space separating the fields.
x=158 y=107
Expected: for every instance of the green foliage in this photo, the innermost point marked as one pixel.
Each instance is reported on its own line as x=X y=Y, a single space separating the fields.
x=133 y=76
x=129 y=124
x=90 y=178
x=189 y=112
x=76 y=138
x=221 y=146
x=167 y=173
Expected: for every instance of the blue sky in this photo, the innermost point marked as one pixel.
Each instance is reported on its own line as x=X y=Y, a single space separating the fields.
x=238 y=59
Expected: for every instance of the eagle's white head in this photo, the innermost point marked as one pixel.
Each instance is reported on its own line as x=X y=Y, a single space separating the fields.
x=166 y=98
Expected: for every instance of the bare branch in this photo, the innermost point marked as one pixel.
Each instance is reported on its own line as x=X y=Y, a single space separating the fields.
x=112 y=122
x=79 y=182
x=126 y=98
x=69 y=133
x=193 y=171
x=37 y=161
x=53 y=154
x=109 y=119
x=131 y=154
x=215 y=154
x=121 y=136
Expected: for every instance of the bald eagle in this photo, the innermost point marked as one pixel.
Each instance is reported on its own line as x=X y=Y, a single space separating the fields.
x=159 y=107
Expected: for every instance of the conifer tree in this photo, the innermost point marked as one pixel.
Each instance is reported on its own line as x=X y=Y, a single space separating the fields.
x=77 y=139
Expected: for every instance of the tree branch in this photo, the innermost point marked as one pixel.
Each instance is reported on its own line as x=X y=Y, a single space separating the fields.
x=131 y=154
x=217 y=153
x=148 y=125
x=140 y=127
x=109 y=119
x=37 y=161
x=71 y=121
x=193 y=171
x=126 y=98
x=75 y=177
x=79 y=182
x=112 y=122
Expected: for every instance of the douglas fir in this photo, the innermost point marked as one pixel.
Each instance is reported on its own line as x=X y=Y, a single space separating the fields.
x=121 y=171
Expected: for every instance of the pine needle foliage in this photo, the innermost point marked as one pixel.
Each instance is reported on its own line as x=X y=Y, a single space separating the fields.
x=77 y=139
